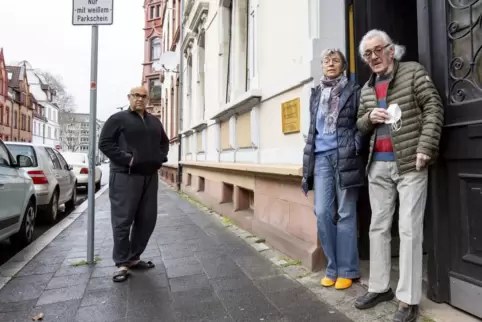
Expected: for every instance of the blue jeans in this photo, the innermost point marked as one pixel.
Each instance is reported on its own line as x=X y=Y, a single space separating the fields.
x=338 y=239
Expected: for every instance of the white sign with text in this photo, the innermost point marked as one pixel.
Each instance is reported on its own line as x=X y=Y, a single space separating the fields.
x=92 y=12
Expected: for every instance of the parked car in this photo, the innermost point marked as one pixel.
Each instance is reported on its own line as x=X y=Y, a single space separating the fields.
x=80 y=165
x=54 y=180
x=18 y=202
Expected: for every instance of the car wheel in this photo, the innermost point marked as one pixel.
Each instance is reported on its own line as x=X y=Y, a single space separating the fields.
x=25 y=235
x=52 y=209
x=70 y=205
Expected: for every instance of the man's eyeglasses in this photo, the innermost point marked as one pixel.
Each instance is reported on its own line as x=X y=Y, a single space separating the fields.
x=136 y=96
x=377 y=51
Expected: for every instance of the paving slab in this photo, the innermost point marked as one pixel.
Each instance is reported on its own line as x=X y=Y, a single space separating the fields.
x=204 y=272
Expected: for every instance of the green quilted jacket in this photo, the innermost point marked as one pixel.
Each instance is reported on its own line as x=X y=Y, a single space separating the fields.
x=422 y=114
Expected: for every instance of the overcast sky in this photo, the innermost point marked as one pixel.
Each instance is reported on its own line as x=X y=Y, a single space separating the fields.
x=41 y=32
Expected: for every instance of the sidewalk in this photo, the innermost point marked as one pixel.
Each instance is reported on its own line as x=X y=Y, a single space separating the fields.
x=203 y=272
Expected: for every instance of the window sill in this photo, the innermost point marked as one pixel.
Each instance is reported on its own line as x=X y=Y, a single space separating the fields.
x=240 y=105
x=186 y=132
x=200 y=126
x=262 y=169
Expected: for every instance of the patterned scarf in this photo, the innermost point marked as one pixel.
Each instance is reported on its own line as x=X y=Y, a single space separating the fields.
x=329 y=101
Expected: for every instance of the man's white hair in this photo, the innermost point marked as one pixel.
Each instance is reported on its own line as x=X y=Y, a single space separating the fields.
x=375 y=33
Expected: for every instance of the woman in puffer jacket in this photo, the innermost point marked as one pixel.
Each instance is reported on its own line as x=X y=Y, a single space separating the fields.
x=333 y=167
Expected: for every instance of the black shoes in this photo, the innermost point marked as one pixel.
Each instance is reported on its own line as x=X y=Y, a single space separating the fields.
x=370 y=300
x=407 y=313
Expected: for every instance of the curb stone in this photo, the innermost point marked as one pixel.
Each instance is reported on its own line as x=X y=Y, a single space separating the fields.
x=10 y=268
x=343 y=301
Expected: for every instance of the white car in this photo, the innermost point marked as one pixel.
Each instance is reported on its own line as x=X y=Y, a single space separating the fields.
x=80 y=165
x=53 y=179
x=17 y=199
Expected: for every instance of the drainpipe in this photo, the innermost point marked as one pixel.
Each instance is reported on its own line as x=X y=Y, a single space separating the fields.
x=180 y=96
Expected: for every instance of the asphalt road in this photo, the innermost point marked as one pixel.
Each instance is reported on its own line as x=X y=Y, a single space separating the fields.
x=7 y=250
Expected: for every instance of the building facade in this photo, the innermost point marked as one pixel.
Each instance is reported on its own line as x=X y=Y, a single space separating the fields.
x=152 y=75
x=247 y=79
x=163 y=36
x=5 y=101
x=74 y=134
x=45 y=127
x=245 y=115
x=22 y=108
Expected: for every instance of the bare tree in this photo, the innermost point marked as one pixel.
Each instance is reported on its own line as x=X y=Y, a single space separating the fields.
x=70 y=132
x=62 y=98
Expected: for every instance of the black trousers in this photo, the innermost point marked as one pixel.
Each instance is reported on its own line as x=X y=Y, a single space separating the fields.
x=133 y=204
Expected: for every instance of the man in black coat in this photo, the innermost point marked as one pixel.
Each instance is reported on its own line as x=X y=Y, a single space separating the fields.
x=137 y=146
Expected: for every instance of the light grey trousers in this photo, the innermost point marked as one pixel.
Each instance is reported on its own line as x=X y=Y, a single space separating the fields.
x=385 y=185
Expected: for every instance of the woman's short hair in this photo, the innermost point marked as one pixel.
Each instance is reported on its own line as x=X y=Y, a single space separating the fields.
x=330 y=51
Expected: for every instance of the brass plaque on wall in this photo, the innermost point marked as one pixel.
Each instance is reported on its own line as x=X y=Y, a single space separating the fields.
x=290 y=116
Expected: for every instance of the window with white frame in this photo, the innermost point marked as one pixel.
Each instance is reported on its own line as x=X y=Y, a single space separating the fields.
x=155 y=48
x=237 y=80
x=189 y=91
x=200 y=77
x=230 y=78
x=251 y=45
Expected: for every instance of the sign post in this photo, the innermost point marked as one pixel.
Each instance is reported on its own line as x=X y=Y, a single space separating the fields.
x=92 y=13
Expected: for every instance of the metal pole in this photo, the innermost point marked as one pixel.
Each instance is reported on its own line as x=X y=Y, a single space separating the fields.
x=180 y=96
x=92 y=144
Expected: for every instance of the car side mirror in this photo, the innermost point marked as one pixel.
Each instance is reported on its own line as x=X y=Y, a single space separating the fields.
x=69 y=167
x=24 y=161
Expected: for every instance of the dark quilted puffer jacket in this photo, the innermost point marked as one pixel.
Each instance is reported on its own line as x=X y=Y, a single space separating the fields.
x=351 y=144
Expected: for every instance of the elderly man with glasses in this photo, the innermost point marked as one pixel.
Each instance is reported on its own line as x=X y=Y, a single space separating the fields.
x=402 y=112
x=137 y=146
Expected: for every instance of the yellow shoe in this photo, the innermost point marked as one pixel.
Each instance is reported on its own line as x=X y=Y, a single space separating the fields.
x=343 y=283
x=326 y=282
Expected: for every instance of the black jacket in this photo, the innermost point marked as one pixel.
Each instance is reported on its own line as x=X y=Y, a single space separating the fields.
x=351 y=145
x=127 y=135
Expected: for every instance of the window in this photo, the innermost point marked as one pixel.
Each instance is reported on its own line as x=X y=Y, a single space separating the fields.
x=15 y=120
x=229 y=85
x=28 y=124
x=49 y=132
x=189 y=90
x=155 y=48
x=1 y=114
x=4 y=156
x=200 y=81
x=237 y=79
x=63 y=164
x=155 y=89
x=152 y=12
x=7 y=114
x=251 y=44
x=53 y=158
x=24 y=150
x=158 y=11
